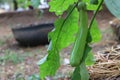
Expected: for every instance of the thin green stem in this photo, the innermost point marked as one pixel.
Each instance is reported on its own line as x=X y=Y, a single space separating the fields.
x=92 y=20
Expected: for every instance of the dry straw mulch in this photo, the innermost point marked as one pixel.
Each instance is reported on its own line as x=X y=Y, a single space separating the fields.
x=107 y=66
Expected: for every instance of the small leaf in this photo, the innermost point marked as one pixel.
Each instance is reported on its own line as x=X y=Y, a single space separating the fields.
x=90 y=60
x=80 y=72
x=76 y=74
x=86 y=51
x=95 y=32
x=84 y=72
x=88 y=56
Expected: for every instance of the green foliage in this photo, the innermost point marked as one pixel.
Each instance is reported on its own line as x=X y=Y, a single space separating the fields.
x=65 y=29
x=80 y=73
x=95 y=32
x=49 y=64
x=83 y=72
x=65 y=33
x=59 y=6
x=92 y=6
x=90 y=60
x=76 y=74
x=61 y=39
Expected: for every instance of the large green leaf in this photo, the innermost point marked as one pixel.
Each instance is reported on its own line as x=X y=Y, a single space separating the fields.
x=114 y=7
x=61 y=37
x=59 y=6
x=65 y=30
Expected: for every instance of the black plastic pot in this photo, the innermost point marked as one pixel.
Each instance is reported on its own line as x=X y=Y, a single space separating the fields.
x=33 y=35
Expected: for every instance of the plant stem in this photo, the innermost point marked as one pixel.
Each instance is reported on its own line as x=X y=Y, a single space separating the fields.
x=92 y=20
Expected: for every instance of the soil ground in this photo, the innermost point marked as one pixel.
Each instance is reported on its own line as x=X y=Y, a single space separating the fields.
x=20 y=62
